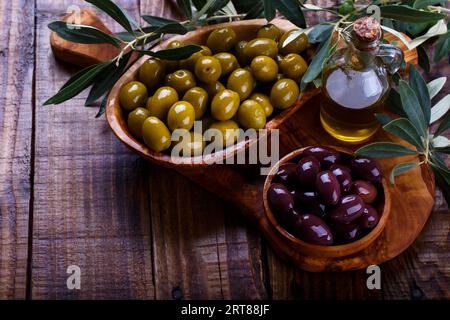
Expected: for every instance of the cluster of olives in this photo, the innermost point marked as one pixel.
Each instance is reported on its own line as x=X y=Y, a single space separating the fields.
x=229 y=84
x=327 y=197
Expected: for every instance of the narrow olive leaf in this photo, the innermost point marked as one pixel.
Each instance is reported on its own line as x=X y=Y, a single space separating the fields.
x=384 y=150
x=438 y=29
x=82 y=34
x=440 y=141
x=440 y=109
x=445 y=150
x=115 y=12
x=443 y=181
x=315 y=67
x=185 y=6
x=404 y=129
x=419 y=86
x=394 y=103
x=102 y=108
x=401 y=168
x=420 y=4
x=319 y=33
x=408 y=14
x=436 y=85
x=444 y=125
x=383 y=118
x=398 y=35
x=269 y=9
x=412 y=108
x=77 y=76
x=126 y=36
x=424 y=59
x=157 y=21
x=106 y=79
x=198 y=4
x=75 y=87
x=217 y=5
x=255 y=12
x=172 y=28
x=437 y=162
x=292 y=11
x=442 y=47
x=175 y=53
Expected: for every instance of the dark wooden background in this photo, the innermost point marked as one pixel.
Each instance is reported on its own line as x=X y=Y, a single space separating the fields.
x=70 y=193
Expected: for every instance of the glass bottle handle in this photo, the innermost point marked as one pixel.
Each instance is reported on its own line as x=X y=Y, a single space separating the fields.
x=391 y=56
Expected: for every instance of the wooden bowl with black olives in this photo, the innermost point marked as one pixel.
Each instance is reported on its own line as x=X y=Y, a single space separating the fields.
x=326 y=201
x=243 y=78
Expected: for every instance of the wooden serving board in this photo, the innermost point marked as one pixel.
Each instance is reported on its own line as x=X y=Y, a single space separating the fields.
x=412 y=197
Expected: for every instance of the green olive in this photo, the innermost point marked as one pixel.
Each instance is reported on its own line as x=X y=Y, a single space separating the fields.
x=135 y=120
x=269 y=31
x=213 y=88
x=228 y=62
x=239 y=53
x=198 y=97
x=222 y=39
x=264 y=101
x=284 y=93
x=181 y=116
x=189 y=63
x=208 y=69
x=242 y=82
x=151 y=73
x=229 y=131
x=264 y=68
x=181 y=80
x=293 y=66
x=261 y=47
x=191 y=144
x=172 y=65
x=294 y=41
x=155 y=134
x=225 y=105
x=159 y=104
x=132 y=95
x=251 y=115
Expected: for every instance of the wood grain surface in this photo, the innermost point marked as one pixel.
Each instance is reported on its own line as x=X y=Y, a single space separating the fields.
x=140 y=231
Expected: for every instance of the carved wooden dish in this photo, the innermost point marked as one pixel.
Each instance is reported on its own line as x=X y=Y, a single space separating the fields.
x=383 y=206
x=411 y=198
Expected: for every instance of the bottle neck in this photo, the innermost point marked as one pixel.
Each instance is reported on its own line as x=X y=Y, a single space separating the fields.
x=361 y=55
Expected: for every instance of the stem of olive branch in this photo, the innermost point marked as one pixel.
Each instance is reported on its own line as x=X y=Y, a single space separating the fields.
x=440 y=9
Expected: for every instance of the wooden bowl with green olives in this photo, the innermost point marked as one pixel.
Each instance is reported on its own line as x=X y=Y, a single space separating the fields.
x=326 y=202
x=147 y=129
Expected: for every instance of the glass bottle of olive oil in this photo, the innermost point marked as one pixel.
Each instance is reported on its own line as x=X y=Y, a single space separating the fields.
x=355 y=82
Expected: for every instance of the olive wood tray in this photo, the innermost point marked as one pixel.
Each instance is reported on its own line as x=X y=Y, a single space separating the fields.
x=412 y=196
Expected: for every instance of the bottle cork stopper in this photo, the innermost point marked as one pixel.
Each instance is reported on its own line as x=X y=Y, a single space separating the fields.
x=367 y=29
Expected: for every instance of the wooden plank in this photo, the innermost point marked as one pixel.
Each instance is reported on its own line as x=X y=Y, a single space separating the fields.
x=16 y=108
x=90 y=205
x=202 y=250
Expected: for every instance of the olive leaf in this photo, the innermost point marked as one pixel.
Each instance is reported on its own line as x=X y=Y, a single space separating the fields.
x=440 y=109
x=408 y=14
x=157 y=21
x=174 y=53
x=394 y=103
x=256 y=11
x=401 y=168
x=419 y=86
x=269 y=9
x=320 y=33
x=443 y=181
x=384 y=150
x=436 y=85
x=106 y=79
x=102 y=108
x=412 y=108
x=444 y=125
x=115 y=12
x=424 y=59
x=442 y=47
x=292 y=11
x=403 y=128
x=73 y=87
x=82 y=34
x=383 y=118
x=420 y=4
x=315 y=67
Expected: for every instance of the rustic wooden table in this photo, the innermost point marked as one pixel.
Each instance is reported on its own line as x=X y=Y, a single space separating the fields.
x=72 y=194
